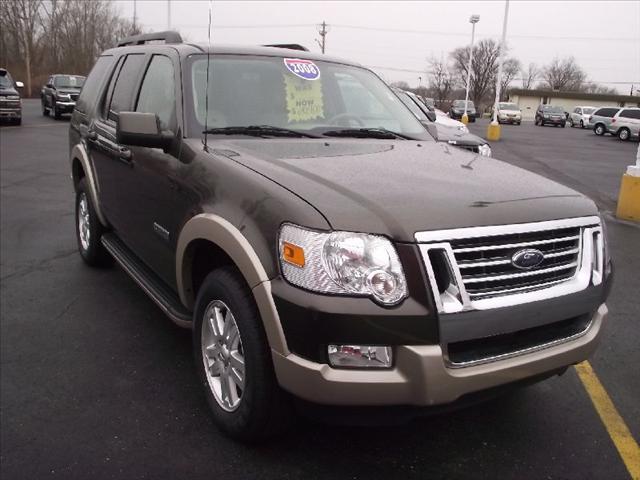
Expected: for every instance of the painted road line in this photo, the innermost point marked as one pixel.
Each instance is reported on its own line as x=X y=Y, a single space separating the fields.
x=618 y=430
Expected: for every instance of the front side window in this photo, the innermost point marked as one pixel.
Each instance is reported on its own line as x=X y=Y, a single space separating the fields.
x=68 y=81
x=122 y=96
x=158 y=94
x=308 y=96
x=93 y=82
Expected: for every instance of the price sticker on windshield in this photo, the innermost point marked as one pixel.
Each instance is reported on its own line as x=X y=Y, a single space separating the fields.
x=305 y=69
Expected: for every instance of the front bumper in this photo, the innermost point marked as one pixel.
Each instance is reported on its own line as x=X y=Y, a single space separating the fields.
x=554 y=121
x=421 y=375
x=508 y=119
x=10 y=112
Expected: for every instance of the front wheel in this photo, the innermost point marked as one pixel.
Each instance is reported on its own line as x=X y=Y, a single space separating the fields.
x=571 y=124
x=581 y=124
x=598 y=129
x=233 y=360
x=56 y=113
x=45 y=111
x=624 y=134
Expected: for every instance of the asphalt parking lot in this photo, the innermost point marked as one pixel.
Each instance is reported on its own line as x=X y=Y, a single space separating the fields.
x=96 y=382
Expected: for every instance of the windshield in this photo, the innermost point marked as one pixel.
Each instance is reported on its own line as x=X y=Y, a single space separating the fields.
x=552 y=109
x=460 y=104
x=310 y=97
x=508 y=106
x=588 y=110
x=6 y=81
x=68 y=81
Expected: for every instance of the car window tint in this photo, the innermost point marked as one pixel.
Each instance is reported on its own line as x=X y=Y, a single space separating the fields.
x=122 y=96
x=157 y=94
x=93 y=83
x=630 y=114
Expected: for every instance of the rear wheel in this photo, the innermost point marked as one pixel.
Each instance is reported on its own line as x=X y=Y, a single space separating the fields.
x=233 y=359
x=571 y=124
x=624 y=134
x=581 y=124
x=599 y=129
x=89 y=230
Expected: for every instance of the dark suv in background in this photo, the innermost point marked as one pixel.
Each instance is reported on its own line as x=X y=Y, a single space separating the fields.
x=550 y=115
x=60 y=93
x=289 y=209
x=10 y=103
x=456 y=111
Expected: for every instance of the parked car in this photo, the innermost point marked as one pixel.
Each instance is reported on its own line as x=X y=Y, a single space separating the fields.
x=317 y=241
x=626 y=123
x=550 y=115
x=60 y=93
x=601 y=119
x=10 y=103
x=580 y=116
x=509 y=113
x=444 y=132
x=456 y=111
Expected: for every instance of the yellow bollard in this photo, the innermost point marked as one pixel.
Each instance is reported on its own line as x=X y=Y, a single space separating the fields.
x=464 y=119
x=629 y=198
x=493 y=132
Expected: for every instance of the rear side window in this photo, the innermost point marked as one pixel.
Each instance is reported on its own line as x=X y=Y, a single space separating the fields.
x=606 y=112
x=158 y=93
x=122 y=97
x=630 y=114
x=92 y=84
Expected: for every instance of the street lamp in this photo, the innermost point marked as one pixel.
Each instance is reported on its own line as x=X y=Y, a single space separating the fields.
x=493 y=130
x=472 y=20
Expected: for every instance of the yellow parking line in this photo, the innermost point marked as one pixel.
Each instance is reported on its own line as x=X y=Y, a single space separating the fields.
x=618 y=430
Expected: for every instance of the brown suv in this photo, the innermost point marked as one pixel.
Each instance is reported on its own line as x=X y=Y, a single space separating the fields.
x=293 y=212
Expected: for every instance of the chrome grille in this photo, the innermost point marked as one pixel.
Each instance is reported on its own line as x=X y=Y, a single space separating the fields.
x=487 y=270
x=472 y=268
x=74 y=96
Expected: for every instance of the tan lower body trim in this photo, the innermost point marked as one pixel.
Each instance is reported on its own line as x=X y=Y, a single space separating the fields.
x=421 y=377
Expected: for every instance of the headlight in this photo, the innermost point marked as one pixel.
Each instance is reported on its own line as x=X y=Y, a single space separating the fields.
x=484 y=150
x=546 y=115
x=342 y=263
x=463 y=128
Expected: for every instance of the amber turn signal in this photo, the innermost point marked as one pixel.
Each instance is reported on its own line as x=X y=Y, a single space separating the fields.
x=293 y=254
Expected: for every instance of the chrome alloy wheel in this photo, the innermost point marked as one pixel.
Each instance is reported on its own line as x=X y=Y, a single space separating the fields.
x=223 y=355
x=83 y=221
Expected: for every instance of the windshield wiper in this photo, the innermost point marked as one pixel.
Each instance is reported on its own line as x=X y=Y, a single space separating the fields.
x=259 y=131
x=381 y=133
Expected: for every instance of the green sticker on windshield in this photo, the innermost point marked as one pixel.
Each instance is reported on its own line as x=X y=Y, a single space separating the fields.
x=304 y=99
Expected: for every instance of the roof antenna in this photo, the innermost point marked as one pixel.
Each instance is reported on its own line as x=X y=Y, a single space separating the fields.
x=206 y=92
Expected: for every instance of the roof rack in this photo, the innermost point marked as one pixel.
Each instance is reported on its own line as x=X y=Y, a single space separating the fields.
x=168 y=37
x=290 y=46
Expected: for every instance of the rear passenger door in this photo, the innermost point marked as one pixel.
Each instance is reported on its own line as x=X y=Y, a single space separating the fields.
x=111 y=161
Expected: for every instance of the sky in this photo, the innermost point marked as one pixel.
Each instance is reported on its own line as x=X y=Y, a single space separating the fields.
x=396 y=38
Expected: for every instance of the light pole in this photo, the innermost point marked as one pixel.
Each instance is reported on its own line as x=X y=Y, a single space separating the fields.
x=493 y=130
x=472 y=20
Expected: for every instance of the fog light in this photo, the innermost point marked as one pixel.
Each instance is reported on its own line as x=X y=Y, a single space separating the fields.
x=360 y=356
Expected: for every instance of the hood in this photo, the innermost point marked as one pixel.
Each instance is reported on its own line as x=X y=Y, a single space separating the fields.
x=453 y=135
x=397 y=188
x=68 y=90
x=447 y=122
x=8 y=91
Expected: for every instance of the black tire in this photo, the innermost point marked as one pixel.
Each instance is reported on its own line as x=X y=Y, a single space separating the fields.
x=56 y=114
x=45 y=110
x=581 y=124
x=571 y=124
x=264 y=409
x=518 y=123
x=563 y=125
x=94 y=253
x=17 y=121
x=599 y=129
x=624 y=134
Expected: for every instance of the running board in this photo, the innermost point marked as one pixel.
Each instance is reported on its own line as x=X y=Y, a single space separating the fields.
x=153 y=286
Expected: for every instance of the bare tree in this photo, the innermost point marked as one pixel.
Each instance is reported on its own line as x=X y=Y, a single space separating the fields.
x=402 y=85
x=563 y=74
x=530 y=75
x=510 y=69
x=592 y=87
x=485 y=63
x=22 y=20
x=440 y=80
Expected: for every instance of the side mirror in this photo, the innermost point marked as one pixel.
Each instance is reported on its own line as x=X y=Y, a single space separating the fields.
x=49 y=85
x=142 y=130
x=19 y=84
x=431 y=115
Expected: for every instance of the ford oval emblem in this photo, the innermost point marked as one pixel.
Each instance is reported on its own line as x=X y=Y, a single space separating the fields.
x=526 y=259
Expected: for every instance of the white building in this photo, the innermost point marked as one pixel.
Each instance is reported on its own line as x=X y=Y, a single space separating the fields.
x=528 y=100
